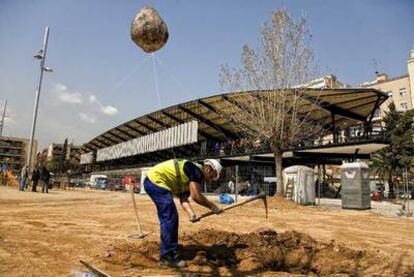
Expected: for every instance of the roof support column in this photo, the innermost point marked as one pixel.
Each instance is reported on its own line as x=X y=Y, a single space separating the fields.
x=368 y=123
x=334 y=134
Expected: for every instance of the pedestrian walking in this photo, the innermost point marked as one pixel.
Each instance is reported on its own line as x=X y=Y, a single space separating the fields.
x=44 y=179
x=24 y=174
x=35 y=179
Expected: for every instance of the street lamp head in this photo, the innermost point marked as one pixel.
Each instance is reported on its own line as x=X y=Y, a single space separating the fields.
x=47 y=69
x=39 y=55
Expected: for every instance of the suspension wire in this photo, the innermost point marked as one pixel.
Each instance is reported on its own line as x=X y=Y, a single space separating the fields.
x=129 y=75
x=154 y=75
x=156 y=86
x=175 y=79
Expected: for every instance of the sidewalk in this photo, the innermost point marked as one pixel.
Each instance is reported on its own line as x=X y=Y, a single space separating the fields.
x=384 y=208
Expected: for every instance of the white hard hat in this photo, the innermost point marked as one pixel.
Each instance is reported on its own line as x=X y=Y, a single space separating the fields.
x=215 y=164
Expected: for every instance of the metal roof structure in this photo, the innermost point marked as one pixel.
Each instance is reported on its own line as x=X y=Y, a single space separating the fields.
x=339 y=108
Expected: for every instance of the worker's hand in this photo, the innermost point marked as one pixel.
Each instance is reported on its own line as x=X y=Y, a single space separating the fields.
x=194 y=218
x=216 y=209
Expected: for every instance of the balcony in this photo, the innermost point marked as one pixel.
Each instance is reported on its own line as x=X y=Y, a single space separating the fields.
x=7 y=146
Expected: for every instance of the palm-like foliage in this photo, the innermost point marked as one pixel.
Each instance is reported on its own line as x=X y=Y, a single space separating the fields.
x=390 y=162
x=382 y=164
x=383 y=167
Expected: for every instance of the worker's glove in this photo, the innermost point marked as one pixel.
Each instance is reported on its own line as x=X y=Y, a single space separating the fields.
x=216 y=209
x=194 y=218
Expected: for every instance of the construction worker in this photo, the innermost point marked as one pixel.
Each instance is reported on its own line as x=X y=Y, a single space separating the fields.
x=183 y=179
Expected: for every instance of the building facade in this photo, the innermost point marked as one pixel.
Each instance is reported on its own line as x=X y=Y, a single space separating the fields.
x=13 y=151
x=327 y=81
x=399 y=89
x=56 y=150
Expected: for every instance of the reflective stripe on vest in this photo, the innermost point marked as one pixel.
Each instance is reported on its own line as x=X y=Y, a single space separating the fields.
x=165 y=175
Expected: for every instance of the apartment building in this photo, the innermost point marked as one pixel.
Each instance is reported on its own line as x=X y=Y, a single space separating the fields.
x=327 y=81
x=56 y=150
x=13 y=151
x=400 y=89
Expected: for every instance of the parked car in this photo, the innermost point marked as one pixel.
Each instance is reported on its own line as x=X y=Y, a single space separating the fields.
x=404 y=195
x=119 y=186
x=127 y=179
x=377 y=194
x=101 y=185
x=95 y=180
x=77 y=183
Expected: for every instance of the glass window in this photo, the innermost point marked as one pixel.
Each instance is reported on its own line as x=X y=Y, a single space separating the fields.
x=403 y=106
x=402 y=91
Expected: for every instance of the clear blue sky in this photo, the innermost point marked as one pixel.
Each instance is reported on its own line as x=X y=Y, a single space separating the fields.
x=101 y=79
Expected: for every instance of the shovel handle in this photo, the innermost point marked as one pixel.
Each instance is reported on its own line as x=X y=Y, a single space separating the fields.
x=259 y=196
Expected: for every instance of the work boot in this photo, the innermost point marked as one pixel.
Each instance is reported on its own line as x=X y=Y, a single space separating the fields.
x=172 y=260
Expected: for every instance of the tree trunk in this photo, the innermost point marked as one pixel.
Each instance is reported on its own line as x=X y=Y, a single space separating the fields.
x=390 y=188
x=279 y=178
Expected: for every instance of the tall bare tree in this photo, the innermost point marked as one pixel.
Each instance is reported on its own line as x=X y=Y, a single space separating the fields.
x=275 y=109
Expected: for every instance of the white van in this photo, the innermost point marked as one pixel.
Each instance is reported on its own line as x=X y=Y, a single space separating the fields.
x=97 y=179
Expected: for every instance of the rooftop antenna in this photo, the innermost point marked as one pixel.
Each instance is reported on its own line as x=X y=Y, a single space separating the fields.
x=374 y=64
x=2 y=117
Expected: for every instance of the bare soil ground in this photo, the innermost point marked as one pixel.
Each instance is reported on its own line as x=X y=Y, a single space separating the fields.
x=47 y=235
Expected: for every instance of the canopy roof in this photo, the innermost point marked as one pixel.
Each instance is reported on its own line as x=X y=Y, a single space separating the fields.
x=338 y=107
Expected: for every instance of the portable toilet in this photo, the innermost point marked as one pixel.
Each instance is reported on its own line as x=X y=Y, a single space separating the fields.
x=303 y=180
x=355 y=190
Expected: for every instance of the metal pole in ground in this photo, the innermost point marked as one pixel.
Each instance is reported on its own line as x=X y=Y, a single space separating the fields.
x=237 y=183
x=2 y=118
x=407 y=194
x=319 y=186
x=42 y=57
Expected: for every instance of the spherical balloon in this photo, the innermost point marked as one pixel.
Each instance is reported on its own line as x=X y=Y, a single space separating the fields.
x=148 y=30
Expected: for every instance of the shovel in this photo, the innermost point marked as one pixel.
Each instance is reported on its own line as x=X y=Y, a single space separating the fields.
x=259 y=196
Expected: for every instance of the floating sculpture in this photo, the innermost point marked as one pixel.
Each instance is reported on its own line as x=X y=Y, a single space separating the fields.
x=148 y=30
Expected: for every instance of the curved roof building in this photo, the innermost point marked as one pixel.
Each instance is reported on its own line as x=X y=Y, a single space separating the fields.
x=193 y=128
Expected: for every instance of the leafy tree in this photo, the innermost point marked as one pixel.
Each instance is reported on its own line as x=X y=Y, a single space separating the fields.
x=57 y=165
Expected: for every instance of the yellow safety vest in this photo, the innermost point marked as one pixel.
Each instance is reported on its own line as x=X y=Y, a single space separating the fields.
x=165 y=175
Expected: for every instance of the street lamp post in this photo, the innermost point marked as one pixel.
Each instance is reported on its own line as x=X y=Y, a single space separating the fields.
x=42 y=57
x=2 y=118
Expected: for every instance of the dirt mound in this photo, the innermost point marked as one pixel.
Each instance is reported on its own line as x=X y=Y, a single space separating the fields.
x=281 y=203
x=224 y=253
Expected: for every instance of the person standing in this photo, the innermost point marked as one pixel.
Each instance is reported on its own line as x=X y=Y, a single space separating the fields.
x=23 y=178
x=35 y=179
x=4 y=174
x=231 y=186
x=181 y=178
x=44 y=179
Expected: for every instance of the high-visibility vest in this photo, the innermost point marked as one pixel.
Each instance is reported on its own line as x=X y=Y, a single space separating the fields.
x=170 y=175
